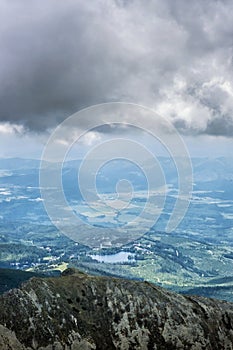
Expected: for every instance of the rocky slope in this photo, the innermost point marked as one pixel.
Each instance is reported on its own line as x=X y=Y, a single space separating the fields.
x=78 y=311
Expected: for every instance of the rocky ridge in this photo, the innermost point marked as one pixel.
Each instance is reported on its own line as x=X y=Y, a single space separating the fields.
x=78 y=311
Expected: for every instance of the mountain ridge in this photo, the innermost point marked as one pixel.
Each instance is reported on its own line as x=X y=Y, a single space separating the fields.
x=79 y=311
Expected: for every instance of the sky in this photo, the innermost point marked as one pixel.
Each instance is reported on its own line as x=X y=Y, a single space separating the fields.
x=172 y=56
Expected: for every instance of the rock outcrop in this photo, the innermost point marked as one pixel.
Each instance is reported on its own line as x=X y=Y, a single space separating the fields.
x=78 y=311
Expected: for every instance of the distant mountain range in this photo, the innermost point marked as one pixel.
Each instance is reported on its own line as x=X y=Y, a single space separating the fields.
x=205 y=169
x=208 y=173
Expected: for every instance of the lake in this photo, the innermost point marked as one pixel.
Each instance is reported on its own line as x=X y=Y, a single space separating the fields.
x=114 y=258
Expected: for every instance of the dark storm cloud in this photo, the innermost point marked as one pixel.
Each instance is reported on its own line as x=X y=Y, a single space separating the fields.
x=175 y=56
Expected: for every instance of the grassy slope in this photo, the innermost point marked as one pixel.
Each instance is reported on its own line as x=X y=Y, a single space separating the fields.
x=10 y=278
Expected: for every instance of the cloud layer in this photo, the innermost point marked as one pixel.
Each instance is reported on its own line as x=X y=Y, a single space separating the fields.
x=172 y=55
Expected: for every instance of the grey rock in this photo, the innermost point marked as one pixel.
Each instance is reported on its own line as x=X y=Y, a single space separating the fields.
x=78 y=311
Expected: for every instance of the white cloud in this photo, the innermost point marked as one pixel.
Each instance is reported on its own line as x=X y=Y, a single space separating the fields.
x=7 y=128
x=91 y=138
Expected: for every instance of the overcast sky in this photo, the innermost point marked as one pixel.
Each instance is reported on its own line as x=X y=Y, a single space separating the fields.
x=174 y=56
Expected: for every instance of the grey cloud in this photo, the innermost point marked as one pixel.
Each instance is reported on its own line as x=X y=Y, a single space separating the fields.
x=61 y=56
x=220 y=126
